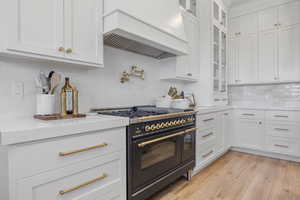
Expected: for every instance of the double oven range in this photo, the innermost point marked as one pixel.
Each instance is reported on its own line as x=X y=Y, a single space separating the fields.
x=160 y=147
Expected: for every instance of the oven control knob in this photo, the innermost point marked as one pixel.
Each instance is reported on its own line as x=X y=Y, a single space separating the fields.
x=157 y=126
x=177 y=122
x=165 y=125
x=161 y=125
x=147 y=128
x=182 y=121
x=152 y=127
x=169 y=124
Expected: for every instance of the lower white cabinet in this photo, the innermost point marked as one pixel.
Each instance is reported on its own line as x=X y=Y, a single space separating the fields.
x=213 y=137
x=249 y=133
x=268 y=131
x=87 y=166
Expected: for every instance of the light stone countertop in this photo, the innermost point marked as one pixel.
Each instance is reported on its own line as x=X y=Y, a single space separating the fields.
x=27 y=129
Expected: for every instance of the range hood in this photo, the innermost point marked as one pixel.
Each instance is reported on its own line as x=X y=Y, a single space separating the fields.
x=124 y=29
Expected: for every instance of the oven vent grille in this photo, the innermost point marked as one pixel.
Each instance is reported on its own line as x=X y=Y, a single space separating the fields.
x=120 y=42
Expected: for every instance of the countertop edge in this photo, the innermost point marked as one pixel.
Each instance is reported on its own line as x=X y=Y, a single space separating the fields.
x=30 y=135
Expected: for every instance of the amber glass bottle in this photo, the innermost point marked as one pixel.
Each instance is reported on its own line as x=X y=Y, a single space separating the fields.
x=67 y=98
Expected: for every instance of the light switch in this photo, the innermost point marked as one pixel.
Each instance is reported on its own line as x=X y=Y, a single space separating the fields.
x=18 y=89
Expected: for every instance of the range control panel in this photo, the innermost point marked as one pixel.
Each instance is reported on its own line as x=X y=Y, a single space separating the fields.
x=158 y=126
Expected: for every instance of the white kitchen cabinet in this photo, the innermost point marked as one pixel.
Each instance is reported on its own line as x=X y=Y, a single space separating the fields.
x=289 y=53
x=243 y=50
x=83 y=30
x=37 y=27
x=213 y=78
x=268 y=19
x=185 y=68
x=249 y=133
x=268 y=54
x=65 y=31
x=289 y=14
x=227 y=128
x=270 y=50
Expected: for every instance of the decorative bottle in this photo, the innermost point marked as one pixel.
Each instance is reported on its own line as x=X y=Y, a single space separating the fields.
x=67 y=98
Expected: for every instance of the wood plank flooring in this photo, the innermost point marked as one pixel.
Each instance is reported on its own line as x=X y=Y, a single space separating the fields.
x=239 y=176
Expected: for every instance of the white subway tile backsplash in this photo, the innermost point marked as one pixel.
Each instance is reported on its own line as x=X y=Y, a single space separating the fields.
x=277 y=95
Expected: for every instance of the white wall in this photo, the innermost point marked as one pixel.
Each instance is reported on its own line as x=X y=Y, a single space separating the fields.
x=98 y=88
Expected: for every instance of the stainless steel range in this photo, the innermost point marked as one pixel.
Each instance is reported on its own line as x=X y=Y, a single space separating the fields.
x=160 y=147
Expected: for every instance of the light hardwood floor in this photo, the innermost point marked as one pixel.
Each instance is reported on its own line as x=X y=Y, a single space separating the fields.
x=239 y=176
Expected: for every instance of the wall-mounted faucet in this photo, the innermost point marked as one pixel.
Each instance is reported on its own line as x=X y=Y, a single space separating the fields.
x=135 y=71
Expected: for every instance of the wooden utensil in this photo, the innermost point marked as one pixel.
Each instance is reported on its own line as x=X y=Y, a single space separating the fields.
x=54 y=82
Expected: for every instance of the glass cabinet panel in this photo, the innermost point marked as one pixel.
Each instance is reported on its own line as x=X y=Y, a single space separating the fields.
x=216 y=60
x=189 y=5
x=216 y=11
x=224 y=19
x=223 y=63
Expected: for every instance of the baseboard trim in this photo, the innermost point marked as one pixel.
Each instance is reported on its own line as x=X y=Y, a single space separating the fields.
x=266 y=154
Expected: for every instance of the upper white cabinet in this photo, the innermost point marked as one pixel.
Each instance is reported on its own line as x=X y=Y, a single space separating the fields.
x=289 y=53
x=289 y=14
x=37 y=27
x=265 y=46
x=83 y=31
x=185 y=68
x=243 y=49
x=268 y=55
x=68 y=31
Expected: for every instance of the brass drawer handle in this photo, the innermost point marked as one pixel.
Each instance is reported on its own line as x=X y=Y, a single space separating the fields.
x=248 y=114
x=281 y=116
x=82 y=150
x=207 y=135
x=281 y=129
x=63 y=192
x=282 y=146
x=207 y=120
x=209 y=153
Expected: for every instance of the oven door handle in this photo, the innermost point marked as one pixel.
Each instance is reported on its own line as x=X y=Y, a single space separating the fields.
x=166 y=137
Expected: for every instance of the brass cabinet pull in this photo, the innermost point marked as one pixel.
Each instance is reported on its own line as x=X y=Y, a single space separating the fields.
x=61 y=49
x=63 y=192
x=248 y=114
x=282 y=146
x=69 y=50
x=281 y=116
x=207 y=120
x=281 y=129
x=207 y=135
x=166 y=137
x=82 y=150
x=209 y=153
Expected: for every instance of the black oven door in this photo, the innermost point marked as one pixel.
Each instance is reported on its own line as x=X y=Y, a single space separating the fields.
x=189 y=143
x=155 y=156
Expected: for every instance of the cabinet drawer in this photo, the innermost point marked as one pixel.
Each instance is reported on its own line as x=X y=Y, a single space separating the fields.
x=205 y=152
x=283 y=146
x=250 y=114
x=204 y=136
x=283 y=115
x=100 y=178
x=206 y=121
x=49 y=155
x=283 y=130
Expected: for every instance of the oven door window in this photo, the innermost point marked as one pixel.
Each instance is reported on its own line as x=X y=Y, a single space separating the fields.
x=153 y=154
x=154 y=159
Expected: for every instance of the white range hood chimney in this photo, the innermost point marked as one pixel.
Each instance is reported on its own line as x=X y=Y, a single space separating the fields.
x=153 y=28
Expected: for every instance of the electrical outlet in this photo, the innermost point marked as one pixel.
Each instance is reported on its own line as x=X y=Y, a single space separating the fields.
x=18 y=89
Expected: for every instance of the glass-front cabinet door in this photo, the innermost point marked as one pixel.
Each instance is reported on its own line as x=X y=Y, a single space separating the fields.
x=216 y=59
x=223 y=82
